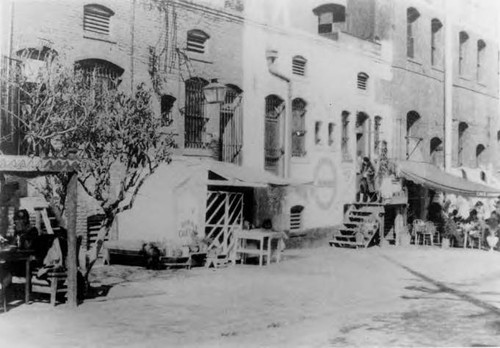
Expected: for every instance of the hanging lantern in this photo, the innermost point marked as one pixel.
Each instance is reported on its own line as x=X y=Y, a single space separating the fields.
x=214 y=92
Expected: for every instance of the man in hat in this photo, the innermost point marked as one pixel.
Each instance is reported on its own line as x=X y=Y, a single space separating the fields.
x=24 y=234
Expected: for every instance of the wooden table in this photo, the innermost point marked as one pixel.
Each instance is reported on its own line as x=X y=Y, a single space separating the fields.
x=14 y=256
x=264 y=237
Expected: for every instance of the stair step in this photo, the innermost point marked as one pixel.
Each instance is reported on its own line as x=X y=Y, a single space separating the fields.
x=344 y=238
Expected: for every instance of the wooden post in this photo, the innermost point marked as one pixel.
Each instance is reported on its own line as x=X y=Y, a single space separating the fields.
x=72 y=244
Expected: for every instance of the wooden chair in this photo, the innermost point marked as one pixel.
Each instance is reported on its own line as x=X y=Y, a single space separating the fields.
x=5 y=281
x=53 y=282
x=423 y=231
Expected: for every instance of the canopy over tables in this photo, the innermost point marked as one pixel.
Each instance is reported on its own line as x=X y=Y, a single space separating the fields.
x=32 y=166
x=432 y=177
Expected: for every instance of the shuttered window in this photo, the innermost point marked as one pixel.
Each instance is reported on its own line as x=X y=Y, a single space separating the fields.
x=196 y=41
x=96 y=19
x=296 y=218
x=298 y=127
x=299 y=65
x=362 y=81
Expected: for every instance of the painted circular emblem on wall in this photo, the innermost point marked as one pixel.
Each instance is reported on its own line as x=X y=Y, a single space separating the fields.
x=325 y=180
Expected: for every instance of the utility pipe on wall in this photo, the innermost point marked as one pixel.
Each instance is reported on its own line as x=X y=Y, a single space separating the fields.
x=271 y=57
x=448 y=89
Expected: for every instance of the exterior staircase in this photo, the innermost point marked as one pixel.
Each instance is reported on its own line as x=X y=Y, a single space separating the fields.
x=361 y=227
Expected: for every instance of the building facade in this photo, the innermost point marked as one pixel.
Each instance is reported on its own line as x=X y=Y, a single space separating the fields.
x=311 y=87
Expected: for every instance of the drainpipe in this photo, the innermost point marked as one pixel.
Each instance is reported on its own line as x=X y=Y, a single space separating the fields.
x=448 y=88
x=271 y=56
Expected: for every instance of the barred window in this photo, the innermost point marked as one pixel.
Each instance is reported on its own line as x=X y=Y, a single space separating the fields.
x=462 y=52
x=345 y=135
x=196 y=41
x=299 y=127
x=376 y=135
x=193 y=113
x=299 y=65
x=166 y=105
x=101 y=72
x=481 y=48
x=436 y=42
x=97 y=18
x=412 y=16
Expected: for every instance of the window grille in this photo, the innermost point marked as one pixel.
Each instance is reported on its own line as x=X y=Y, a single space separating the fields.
x=462 y=52
x=345 y=134
x=376 y=135
x=299 y=66
x=296 y=218
x=412 y=16
x=317 y=132
x=152 y=60
x=101 y=72
x=231 y=125
x=166 y=105
x=462 y=128
x=96 y=19
x=194 y=114
x=362 y=81
x=196 y=40
x=479 y=154
x=481 y=47
x=273 y=150
x=436 y=41
x=298 y=129
x=331 y=135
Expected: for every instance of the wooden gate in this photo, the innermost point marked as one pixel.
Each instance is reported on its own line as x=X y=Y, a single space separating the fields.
x=224 y=213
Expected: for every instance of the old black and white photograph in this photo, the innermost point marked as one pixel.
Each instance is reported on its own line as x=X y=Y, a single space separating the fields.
x=249 y=173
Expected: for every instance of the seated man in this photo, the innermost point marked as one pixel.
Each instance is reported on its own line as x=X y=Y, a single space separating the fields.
x=24 y=234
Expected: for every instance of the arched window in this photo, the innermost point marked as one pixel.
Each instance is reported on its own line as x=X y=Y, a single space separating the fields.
x=296 y=218
x=196 y=41
x=480 y=151
x=483 y=176
x=97 y=18
x=481 y=49
x=331 y=133
x=412 y=16
x=345 y=136
x=412 y=119
x=34 y=59
x=100 y=72
x=362 y=81
x=462 y=128
x=331 y=18
x=464 y=174
x=194 y=120
x=462 y=52
x=166 y=105
x=274 y=108
x=299 y=65
x=436 y=42
x=376 y=134
x=436 y=149
x=298 y=127
x=231 y=124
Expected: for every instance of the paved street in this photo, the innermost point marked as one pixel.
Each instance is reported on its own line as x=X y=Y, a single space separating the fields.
x=322 y=297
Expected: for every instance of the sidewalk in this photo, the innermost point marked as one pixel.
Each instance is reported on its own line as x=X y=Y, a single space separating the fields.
x=316 y=297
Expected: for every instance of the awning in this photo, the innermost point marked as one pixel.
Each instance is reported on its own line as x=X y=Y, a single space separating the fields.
x=431 y=176
x=33 y=166
x=228 y=174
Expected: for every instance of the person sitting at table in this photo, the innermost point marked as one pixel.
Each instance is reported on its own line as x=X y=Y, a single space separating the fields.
x=24 y=234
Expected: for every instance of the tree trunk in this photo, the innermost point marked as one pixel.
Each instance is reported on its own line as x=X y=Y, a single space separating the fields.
x=93 y=254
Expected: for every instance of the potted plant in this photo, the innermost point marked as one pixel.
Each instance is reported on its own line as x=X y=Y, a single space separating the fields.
x=492 y=238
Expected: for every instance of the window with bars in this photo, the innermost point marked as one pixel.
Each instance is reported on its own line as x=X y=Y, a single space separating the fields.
x=97 y=19
x=196 y=41
x=231 y=125
x=100 y=73
x=299 y=127
x=462 y=128
x=299 y=65
x=462 y=53
x=194 y=119
x=345 y=135
x=273 y=149
x=166 y=106
x=480 y=152
x=376 y=136
x=317 y=132
x=362 y=81
x=412 y=16
x=436 y=42
x=481 y=48
x=296 y=218
x=331 y=134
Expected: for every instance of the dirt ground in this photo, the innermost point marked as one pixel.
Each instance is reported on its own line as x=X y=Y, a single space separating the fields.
x=322 y=297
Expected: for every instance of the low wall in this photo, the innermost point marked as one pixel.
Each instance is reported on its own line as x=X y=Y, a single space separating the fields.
x=310 y=238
